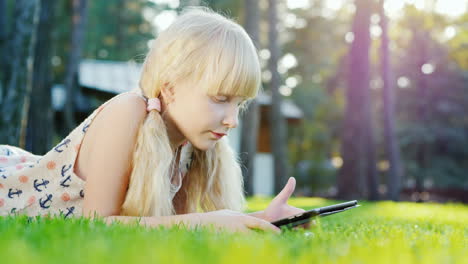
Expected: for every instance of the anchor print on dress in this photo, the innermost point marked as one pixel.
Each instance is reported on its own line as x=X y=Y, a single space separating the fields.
x=4 y=176
x=16 y=192
x=63 y=182
x=85 y=128
x=37 y=185
x=65 y=169
x=45 y=203
x=70 y=211
x=8 y=152
x=59 y=147
x=82 y=194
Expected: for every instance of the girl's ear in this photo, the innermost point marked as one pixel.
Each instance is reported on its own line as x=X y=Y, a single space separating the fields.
x=167 y=92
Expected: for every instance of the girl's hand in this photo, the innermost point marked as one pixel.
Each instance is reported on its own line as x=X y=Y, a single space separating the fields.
x=235 y=221
x=278 y=208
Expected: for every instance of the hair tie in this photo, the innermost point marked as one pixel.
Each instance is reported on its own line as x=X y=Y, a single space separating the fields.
x=154 y=104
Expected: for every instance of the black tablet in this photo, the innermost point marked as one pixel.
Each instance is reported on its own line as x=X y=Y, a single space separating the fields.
x=306 y=216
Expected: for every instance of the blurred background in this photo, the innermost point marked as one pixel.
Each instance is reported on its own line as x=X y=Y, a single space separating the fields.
x=363 y=99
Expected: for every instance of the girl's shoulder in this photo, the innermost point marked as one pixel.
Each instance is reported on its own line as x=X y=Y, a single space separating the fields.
x=120 y=116
x=127 y=110
x=125 y=103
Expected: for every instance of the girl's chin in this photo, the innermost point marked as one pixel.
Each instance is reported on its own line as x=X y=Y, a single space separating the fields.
x=205 y=145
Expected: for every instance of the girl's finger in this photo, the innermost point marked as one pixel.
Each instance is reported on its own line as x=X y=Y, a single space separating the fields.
x=288 y=189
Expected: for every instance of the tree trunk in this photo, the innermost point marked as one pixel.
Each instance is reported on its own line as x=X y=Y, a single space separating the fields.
x=18 y=58
x=369 y=148
x=391 y=141
x=251 y=118
x=119 y=25
x=77 y=37
x=278 y=129
x=40 y=125
x=357 y=171
x=368 y=133
x=423 y=95
x=3 y=39
x=29 y=79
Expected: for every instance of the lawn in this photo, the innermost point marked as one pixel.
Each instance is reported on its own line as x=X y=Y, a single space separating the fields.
x=382 y=232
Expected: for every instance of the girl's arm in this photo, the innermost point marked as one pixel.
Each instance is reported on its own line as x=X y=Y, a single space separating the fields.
x=108 y=151
x=258 y=214
x=221 y=219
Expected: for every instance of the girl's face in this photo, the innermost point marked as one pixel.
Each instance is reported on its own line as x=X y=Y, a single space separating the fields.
x=201 y=118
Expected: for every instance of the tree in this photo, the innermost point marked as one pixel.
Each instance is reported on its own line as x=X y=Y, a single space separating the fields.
x=314 y=143
x=277 y=122
x=3 y=35
x=124 y=38
x=16 y=79
x=391 y=141
x=251 y=118
x=79 y=15
x=40 y=120
x=432 y=105
x=423 y=152
x=358 y=141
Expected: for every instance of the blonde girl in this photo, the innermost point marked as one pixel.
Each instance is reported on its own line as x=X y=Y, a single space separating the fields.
x=158 y=153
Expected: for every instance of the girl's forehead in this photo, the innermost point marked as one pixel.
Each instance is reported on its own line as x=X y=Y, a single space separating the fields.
x=215 y=85
x=231 y=90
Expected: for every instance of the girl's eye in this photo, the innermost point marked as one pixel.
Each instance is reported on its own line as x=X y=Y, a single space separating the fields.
x=225 y=99
x=221 y=99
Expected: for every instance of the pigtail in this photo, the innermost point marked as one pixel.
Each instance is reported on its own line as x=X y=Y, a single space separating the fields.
x=148 y=189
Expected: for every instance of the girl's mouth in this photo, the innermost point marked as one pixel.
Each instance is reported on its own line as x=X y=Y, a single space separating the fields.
x=218 y=135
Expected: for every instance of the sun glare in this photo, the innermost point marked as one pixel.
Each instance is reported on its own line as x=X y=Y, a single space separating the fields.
x=392 y=7
x=449 y=8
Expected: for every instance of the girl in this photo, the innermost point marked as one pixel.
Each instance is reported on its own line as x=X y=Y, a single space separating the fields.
x=159 y=152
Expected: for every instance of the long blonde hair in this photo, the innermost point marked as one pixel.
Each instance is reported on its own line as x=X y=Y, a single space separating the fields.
x=214 y=52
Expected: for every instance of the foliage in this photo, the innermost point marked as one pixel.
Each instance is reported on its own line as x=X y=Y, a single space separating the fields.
x=115 y=30
x=320 y=49
x=432 y=109
x=319 y=94
x=126 y=37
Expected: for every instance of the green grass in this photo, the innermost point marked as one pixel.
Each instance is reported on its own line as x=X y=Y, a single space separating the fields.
x=382 y=232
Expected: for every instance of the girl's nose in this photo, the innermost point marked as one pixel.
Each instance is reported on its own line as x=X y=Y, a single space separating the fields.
x=231 y=120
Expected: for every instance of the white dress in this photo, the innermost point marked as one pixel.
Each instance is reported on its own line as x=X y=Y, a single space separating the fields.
x=42 y=185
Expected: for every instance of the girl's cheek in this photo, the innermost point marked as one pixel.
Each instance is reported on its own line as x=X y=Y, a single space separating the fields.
x=213 y=106
x=217 y=110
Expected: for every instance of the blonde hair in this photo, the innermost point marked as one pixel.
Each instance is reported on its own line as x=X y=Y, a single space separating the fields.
x=213 y=52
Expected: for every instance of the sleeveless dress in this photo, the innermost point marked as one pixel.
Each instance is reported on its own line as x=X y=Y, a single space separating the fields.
x=47 y=185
